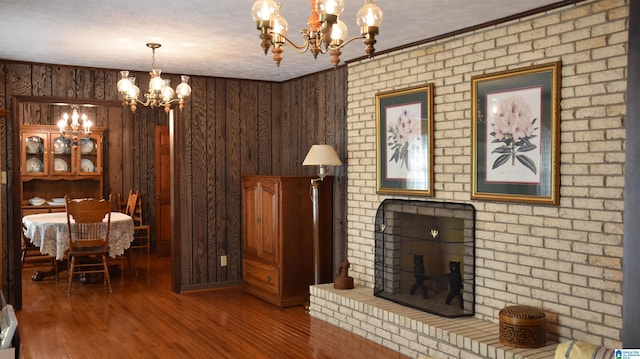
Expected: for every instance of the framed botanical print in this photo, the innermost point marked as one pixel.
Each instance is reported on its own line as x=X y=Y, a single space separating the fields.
x=515 y=135
x=404 y=132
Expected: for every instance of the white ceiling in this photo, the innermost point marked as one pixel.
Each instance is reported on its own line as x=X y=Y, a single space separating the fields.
x=212 y=37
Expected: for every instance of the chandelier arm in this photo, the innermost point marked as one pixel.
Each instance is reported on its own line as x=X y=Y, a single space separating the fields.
x=333 y=47
x=160 y=103
x=299 y=48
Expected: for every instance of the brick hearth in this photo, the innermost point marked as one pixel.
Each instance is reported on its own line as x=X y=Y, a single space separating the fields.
x=412 y=332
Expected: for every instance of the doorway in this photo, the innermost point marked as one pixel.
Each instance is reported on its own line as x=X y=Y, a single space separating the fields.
x=163 y=191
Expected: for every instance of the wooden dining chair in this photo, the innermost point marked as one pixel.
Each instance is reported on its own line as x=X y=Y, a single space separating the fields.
x=141 y=235
x=88 y=237
x=127 y=206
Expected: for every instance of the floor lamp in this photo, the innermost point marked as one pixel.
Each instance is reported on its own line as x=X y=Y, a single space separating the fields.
x=322 y=156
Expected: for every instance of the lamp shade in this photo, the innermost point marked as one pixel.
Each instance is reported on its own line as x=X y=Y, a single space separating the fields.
x=322 y=155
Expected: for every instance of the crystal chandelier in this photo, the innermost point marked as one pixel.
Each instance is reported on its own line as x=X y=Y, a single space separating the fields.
x=74 y=129
x=159 y=93
x=326 y=32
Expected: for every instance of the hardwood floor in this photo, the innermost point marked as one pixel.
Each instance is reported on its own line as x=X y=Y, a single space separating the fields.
x=142 y=318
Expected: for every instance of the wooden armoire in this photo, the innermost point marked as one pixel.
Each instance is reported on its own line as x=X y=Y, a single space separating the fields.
x=277 y=224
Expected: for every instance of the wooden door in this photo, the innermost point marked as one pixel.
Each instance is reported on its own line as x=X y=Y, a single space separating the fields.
x=163 y=191
x=269 y=221
x=260 y=219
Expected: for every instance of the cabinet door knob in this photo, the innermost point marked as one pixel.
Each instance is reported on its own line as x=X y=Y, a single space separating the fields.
x=248 y=271
x=269 y=279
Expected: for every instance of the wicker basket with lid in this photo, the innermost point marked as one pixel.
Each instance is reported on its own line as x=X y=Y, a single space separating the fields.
x=522 y=326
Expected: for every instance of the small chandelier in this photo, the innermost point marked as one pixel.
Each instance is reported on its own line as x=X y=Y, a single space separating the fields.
x=160 y=92
x=326 y=32
x=74 y=129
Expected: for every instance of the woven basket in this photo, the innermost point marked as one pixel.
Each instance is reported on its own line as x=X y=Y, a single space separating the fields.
x=522 y=326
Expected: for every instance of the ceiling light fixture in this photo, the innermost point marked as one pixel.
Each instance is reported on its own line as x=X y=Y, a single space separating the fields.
x=72 y=129
x=326 y=32
x=159 y=93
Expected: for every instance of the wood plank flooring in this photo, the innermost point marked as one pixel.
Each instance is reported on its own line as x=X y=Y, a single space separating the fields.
x=142 y=318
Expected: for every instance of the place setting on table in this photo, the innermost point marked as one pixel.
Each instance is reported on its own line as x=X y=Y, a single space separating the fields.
x=50 y=233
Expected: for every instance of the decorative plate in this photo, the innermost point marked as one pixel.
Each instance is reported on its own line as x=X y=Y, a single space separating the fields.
x=86 y=145
x=55 y=204
x=33 y=145
x=87 y=166
x=58 y=200
x=61 y=165
x=34 y=165
x=61 y=145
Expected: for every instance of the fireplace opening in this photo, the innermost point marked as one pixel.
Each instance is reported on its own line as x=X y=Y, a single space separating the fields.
x=425 y=256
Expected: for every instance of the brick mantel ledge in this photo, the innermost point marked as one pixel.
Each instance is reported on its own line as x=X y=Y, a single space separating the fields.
x=412 y=332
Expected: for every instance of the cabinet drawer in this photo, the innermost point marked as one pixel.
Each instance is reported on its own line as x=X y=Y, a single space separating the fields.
x=261 y=276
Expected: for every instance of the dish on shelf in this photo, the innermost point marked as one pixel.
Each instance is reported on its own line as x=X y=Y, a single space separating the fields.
x=58 y=200
x=33 y=145
x=61 y=165
x=61 y=145
x=55 y=204
x=87 y=166
x=37 y=201
x=34 y=165
x=86 y=146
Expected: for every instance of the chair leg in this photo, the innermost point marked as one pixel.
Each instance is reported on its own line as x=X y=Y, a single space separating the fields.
x=106 y=272
x=130 y=262
x=72 y=261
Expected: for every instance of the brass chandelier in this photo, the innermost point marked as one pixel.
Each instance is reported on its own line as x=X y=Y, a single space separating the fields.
x=159 y=93
x=74 y=129
x=326 y=32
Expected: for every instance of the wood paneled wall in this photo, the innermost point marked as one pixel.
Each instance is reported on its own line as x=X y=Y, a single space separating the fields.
x=230 y=127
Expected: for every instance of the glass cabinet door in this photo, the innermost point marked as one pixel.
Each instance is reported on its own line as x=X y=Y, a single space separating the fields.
x=62 y=152
x=89 y=156
x=34 y=160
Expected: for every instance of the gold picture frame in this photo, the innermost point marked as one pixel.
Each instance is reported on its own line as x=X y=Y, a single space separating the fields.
x=516 y=134
x=404 y=148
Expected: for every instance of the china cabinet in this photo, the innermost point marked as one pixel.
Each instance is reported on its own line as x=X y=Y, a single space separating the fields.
x=277 y=232
x=52 y=166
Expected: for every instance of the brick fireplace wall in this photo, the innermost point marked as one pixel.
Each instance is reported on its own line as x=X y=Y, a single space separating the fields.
x=566 y=259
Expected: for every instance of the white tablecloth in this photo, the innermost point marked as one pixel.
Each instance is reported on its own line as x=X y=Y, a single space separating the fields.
x=49 y=232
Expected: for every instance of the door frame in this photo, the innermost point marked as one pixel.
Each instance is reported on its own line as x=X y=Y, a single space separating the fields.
x=175 y=134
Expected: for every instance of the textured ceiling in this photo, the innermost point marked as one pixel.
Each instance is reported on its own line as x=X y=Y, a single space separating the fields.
x=212 y=37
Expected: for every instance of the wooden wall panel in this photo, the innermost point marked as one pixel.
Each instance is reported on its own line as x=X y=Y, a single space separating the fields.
x=199 y=169
x=41 y=80
x=233 y=168
x=218 y=100
x=228 y=128
x=215 y=271
x=263 y=124
x=249 y=127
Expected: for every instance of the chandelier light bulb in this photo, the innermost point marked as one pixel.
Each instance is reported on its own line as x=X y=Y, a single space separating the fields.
x=183 y=89
x=369 y=15
x=280 y=25
x=156 y=83
x=339 y=32
x=124 y=84
x=333 y=7
x=264 y=10
x=167 y=91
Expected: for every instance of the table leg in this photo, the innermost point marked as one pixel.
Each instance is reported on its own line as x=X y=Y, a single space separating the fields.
x=40 y=275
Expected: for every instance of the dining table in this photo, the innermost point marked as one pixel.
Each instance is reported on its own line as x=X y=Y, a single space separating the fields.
x=50 y=233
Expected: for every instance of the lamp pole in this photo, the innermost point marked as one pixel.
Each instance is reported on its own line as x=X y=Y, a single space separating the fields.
x=316 y=230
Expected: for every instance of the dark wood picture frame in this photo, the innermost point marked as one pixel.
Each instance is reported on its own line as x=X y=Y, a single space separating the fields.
x=516 y=134
x=404 y=133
